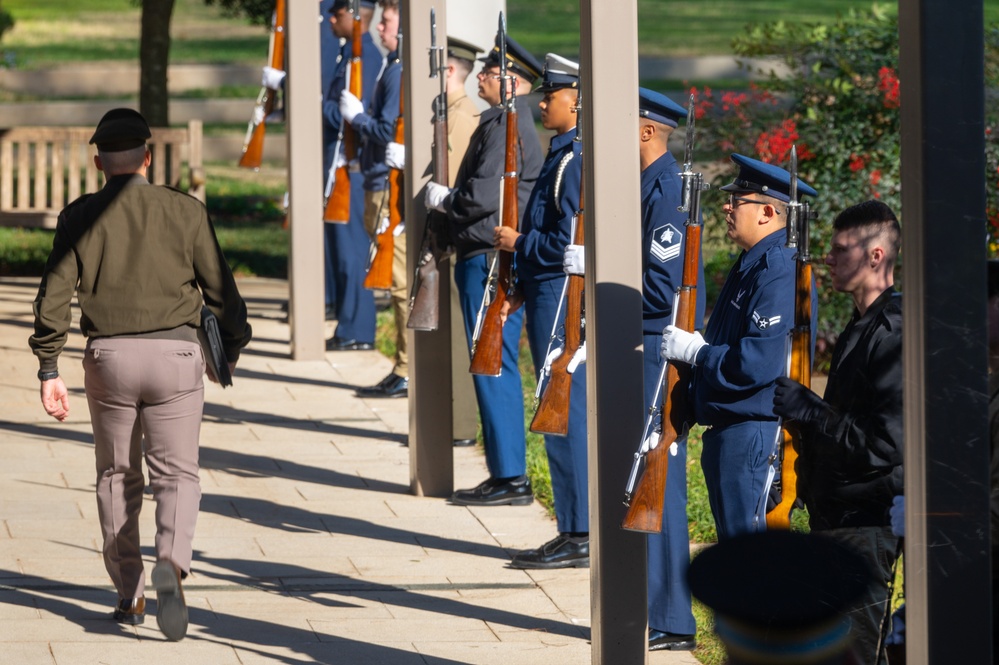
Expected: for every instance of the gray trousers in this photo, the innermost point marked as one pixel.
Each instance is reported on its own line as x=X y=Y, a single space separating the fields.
x=146 y=396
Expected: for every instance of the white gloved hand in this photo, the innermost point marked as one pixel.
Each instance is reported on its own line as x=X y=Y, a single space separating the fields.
x=395 y=155
x=350 y=106
x=436 y=195
x=554 y=354
x=681 y=345
x=354 y=165
x=400 y=228
x=382 y=226
x=272 y=78
x=573 y=260
x=341 y=158
x=258 y=115
x=578 y=358
x=897 y=515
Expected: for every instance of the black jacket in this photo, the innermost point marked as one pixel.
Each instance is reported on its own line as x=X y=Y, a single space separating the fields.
x=475 y=205
x=850 y=467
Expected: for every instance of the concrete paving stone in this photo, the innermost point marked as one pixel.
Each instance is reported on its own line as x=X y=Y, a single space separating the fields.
x=283 y=548
x=35 y=654
x=271 y=572
x=150 y=650
x=517 y=609
x=299 y=605
x=340 y=653
x=394 y=631
x=503 y=653
x=446 y=567
x=72 y=530
x=97 y=628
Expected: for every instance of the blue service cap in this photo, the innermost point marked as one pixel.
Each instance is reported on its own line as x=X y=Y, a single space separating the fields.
x=660 y=108
x=780 y=596
x=763 y=178
x=344 y=4
x=559 y=73
x=518 y=59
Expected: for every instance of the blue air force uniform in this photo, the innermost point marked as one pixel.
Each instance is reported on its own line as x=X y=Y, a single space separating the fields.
x=376 y=126
x=545 y=232
x=348 y=244
x=663 y=234
x=473 y=210
x=732 y=383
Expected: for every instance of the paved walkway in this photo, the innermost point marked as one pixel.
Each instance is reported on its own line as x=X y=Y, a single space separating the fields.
x=309 y=549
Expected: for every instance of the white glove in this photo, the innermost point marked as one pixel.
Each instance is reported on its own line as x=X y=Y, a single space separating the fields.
x=578 y=358
x=681 y=345
x=436 y=195
x=395 y=155
x=573 y=259
x=350 y=106
x=400 y=228
x=341 y=158
x=272 y=78
x=382 y=226
x=555 y=353
x=897 y=515
x=258 y=115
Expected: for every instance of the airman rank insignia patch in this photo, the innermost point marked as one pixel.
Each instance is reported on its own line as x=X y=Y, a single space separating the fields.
x=763 y=322
x=666 y=241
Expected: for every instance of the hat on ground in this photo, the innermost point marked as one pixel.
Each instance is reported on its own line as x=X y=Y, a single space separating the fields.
x=763 y=178
x=517 y=58
x=780 y=596
x=660 y=108
x=121 y=129
x=459 y=48
x=559 y=73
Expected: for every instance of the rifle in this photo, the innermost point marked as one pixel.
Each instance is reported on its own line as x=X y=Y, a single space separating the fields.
x=337 y=208
x=253 y=144
x=424 y=313
x=380 y=270
x=552 y=414
x=799 y=354
x=645 y=502
x=487 y=341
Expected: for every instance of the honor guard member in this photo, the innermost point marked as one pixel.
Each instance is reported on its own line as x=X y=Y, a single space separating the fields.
x=781 y=597
x=350 y=244
x=850 y=451
x=143 y=260
x=671 y=620
x=379 y=152
x=744 y=347
x=473 y=209
x=462 y=119
x=546 y=230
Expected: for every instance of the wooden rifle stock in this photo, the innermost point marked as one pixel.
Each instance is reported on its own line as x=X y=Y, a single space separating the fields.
x=337 y=208
x=645 y=510
x=380 y=271
x=487 y=352
x=253 y=146
x=801 y=371
x=552 y=415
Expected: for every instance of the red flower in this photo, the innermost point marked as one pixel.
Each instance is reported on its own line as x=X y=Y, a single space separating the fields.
x=857 y=162
x=875 y=177
x=774 y=147
x=888 y=84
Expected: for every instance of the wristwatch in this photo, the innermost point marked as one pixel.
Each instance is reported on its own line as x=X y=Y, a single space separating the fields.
x=45 y=376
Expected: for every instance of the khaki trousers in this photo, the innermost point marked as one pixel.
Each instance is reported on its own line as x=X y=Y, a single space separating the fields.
x=375 y=210
x=145 y=396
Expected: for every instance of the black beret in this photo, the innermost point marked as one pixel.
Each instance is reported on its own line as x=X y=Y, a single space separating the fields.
x=121 y=129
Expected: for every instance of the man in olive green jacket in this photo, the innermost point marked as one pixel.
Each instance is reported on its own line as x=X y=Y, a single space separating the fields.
x=143 y=260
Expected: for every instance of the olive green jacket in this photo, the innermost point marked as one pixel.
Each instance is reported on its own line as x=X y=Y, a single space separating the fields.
x=141 y=259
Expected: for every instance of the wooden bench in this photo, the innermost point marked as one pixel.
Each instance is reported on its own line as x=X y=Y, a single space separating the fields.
x=44 y=168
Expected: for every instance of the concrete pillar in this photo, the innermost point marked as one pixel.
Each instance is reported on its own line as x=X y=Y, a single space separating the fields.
x=609 y=64
x=305 y=185
x=943 y=278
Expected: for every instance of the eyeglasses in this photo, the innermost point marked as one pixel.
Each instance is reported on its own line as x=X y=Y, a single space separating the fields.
x=488 y=74
x=732 y=199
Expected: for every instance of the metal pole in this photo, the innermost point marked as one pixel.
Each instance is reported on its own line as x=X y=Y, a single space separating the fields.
x=609 y=68
x=943 y=269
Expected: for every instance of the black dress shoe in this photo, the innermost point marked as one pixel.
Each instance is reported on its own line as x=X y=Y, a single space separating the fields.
x=662 y=641
x=392 y=385
x=340 y=344
x=130 y=611
x=561 y=552
x=496 y=492
x=464 y=443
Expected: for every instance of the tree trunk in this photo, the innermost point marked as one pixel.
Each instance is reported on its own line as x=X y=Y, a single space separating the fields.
x=154 y=56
